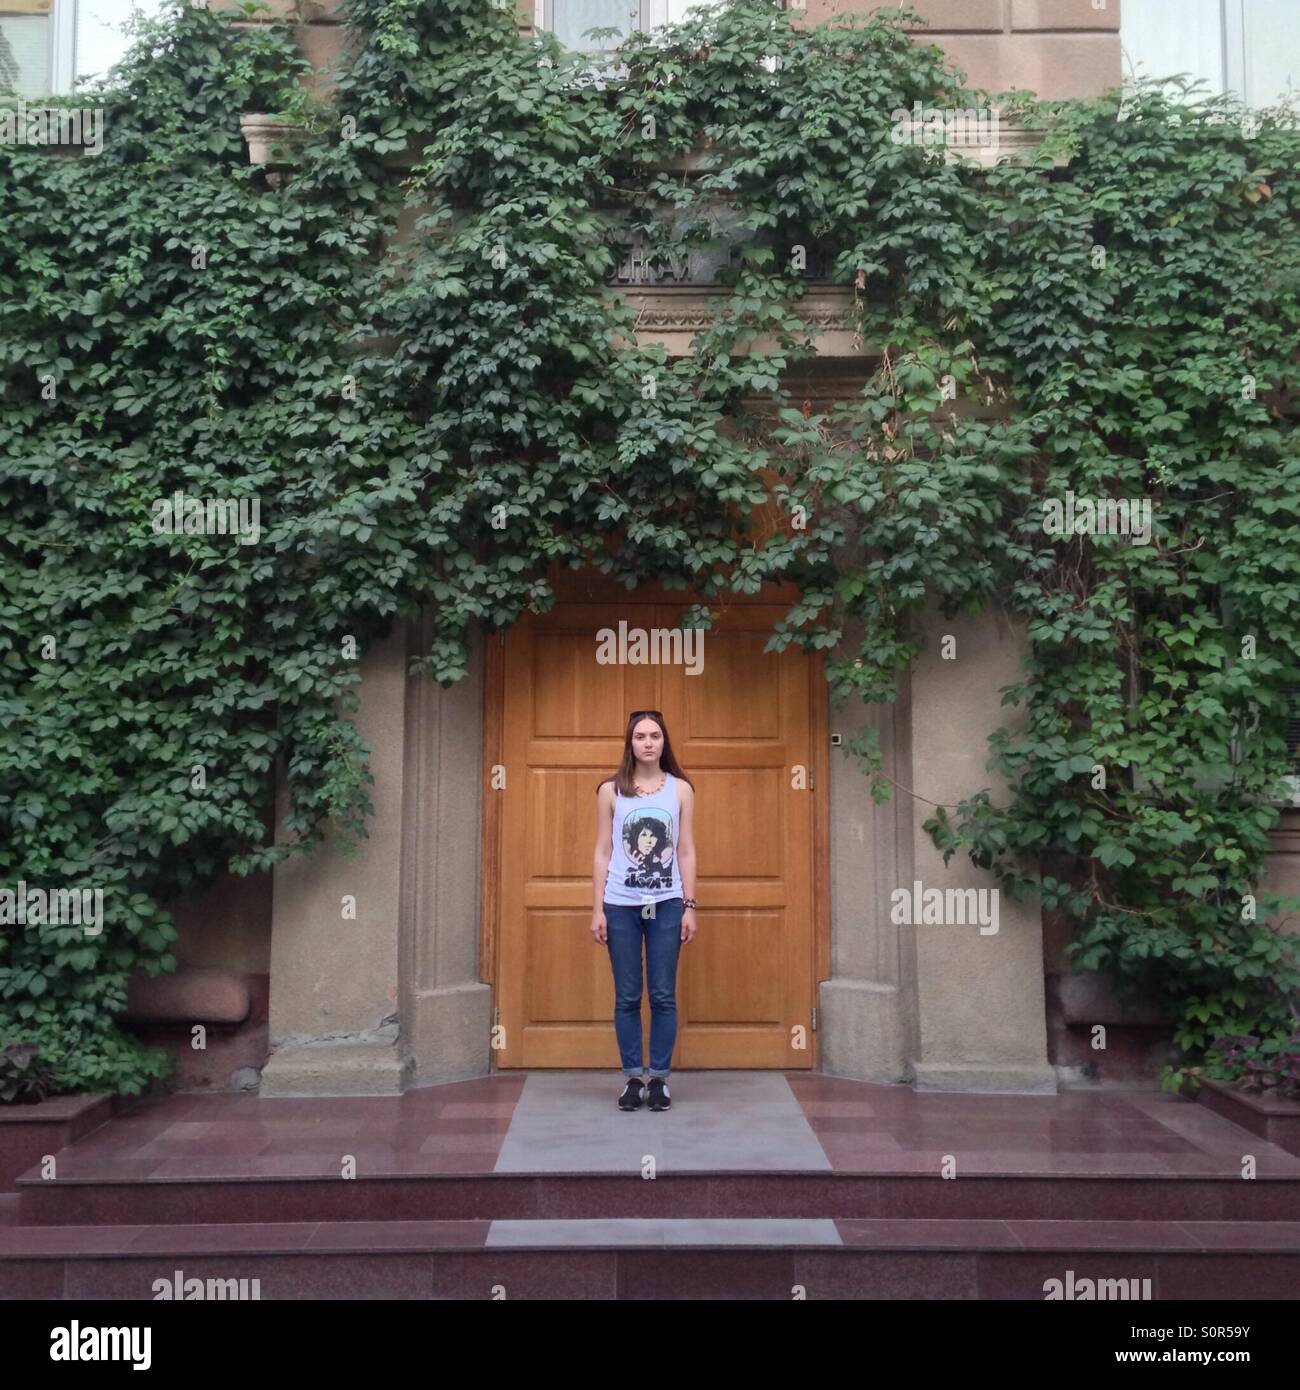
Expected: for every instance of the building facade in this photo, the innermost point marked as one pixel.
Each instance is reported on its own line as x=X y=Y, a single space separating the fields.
x=455 y=942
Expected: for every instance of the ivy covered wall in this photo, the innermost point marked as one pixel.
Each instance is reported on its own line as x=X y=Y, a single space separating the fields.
x=439 y=419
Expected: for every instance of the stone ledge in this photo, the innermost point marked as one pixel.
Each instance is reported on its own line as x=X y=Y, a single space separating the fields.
x=29 y=1132
x=335 y=1069
x=266 y=134
x=189 y=996
x=1001 y=1078
x=1008 y=141
x=1267 y=1116
x=57 y=1109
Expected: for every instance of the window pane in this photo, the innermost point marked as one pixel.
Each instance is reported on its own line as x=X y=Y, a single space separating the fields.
x=1162 y=38
x=25 y=49
x=677 y=8
x=100 y=41
x=1272 y=49
x=570 y=19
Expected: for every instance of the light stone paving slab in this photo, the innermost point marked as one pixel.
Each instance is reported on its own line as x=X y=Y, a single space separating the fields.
x=644 y=1231
x=569 y=1122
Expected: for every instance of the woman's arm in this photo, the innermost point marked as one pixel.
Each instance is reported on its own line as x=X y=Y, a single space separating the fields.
x=604 y=851
x=686 y=855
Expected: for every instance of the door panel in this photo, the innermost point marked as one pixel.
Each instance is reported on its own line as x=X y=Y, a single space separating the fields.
x=739 y=728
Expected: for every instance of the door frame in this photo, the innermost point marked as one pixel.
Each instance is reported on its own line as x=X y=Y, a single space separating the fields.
x=494 y=710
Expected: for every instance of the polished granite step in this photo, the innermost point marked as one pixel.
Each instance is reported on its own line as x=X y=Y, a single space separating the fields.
x=201 y=1200
x=654 y=1258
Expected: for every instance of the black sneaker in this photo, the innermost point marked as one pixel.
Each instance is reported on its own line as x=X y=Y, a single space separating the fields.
x=632 y=1094
x=659 y=1098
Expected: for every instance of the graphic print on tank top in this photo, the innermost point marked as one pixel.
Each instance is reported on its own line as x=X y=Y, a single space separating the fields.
x=648 y=844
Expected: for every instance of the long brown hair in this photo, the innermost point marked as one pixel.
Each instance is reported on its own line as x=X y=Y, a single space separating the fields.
x=622 y=779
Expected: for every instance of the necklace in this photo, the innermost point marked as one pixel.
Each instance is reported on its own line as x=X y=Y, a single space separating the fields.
x=652 y=790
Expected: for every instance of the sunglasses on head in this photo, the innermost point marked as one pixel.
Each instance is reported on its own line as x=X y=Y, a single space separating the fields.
x=645 y=714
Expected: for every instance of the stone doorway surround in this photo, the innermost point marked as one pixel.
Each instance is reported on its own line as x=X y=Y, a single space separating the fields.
x=396 y=998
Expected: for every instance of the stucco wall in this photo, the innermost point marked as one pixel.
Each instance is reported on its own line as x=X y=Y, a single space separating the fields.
x=1057 y=48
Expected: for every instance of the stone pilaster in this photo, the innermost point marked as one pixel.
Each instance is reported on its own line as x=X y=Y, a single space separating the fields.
x=393 y=998
x=446 y=1009
x=981 y=1019
x=867 y=1007
x=334 y=978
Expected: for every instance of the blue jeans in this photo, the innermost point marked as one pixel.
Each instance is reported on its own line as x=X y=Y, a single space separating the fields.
x=662 y=933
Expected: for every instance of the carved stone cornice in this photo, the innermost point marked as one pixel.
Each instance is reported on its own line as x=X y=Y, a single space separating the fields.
x=1008 y=141
x=672 y=318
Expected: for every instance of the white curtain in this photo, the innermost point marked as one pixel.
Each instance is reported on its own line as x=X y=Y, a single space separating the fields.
x=25 y=54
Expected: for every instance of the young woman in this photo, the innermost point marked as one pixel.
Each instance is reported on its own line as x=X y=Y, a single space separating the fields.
x=644 y=881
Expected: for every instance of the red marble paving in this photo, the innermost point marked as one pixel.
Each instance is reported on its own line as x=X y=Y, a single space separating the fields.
x=894 y=1129
x=454 y=1128
x=459 y=1128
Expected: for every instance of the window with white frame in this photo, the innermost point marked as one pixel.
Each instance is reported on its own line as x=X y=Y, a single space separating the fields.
x=1249 y=48
x=570 y=20
x=48 y=47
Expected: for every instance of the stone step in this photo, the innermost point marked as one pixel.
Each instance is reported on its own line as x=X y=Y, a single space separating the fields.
x=117 y=1196
x=657 y=1258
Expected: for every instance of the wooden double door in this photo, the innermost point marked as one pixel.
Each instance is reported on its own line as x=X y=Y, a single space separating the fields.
x=745 y=730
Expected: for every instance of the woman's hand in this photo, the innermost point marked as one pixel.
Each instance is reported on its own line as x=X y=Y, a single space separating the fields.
x=598 y=932
x=688 y=926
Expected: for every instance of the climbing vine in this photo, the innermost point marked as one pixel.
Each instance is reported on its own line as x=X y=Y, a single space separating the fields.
x=406 y=348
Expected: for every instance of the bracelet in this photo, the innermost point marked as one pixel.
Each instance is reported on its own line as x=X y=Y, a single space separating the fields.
x=688 y=903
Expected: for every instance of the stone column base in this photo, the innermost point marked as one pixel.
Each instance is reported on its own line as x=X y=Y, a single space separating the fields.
x=448 y=1032
x=1007 y=1078
x=335 y=1069
x=861 y=1027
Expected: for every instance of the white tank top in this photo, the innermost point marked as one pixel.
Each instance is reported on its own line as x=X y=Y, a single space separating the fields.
x=643 y=863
